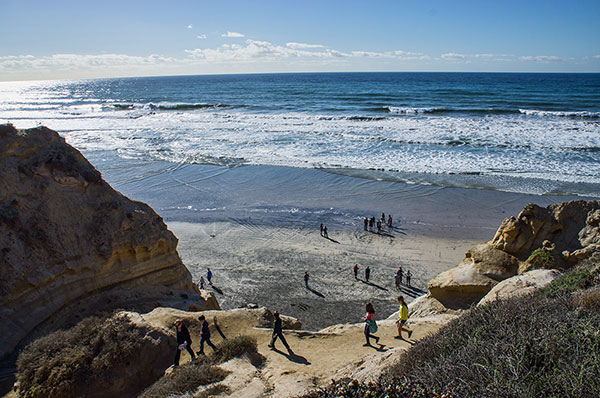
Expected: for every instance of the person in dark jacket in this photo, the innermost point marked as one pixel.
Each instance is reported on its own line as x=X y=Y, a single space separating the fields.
x=184 y=341
x=278 y=332
x=205 y=335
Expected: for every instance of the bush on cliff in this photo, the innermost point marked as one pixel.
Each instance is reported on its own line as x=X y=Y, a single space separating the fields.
x=189 y=377
x=69 y=363
x=545 y=344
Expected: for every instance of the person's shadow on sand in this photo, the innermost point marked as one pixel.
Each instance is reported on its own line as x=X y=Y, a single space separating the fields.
x=293 y=357
x=216 y=289
x=411 y=291
x=332 y=240
x=379 y=347
x=411 y=342
x=313 y=291
x=373 y=284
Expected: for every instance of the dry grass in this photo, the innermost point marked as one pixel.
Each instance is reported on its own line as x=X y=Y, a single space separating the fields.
x=185 y=379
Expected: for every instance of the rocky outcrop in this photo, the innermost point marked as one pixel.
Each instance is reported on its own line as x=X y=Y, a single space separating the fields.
x=67 y=236
x=520 y=285
x=553 y=237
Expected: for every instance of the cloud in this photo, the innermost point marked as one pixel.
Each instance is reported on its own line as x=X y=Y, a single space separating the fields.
x=596 y=56
x=540 y=58
x=201 y=37
x=232 y=34
x=190 y=26
x=301 y=46
x=454 y=56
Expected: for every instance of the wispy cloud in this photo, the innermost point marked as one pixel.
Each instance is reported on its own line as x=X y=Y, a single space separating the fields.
x=596 y=56
x=453 y=56
x=201 y=37
x=540 y=58
x=303 y=45
x=232 y=34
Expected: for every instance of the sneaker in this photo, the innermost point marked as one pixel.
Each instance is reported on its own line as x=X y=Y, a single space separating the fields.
x=409 y=334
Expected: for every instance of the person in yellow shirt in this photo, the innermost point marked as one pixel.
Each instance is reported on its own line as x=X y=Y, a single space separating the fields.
x=402 y=318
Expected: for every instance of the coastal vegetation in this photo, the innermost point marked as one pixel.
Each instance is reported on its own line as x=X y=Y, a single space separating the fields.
x=543 y=344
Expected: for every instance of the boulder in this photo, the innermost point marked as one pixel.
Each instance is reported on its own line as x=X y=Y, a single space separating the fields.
x=481 y=269
x=520 y=285
x=66 y=235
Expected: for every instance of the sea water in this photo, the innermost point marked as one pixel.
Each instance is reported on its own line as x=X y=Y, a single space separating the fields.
x=518 y=132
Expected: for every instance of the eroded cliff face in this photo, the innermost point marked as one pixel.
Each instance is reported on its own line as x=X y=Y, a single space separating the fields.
x=66 y=235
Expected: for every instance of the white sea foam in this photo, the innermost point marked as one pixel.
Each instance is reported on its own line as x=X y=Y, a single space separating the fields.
x=584 y=114
x=408 y=110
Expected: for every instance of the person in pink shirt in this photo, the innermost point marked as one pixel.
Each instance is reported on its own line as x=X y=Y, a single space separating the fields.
x=370 y=325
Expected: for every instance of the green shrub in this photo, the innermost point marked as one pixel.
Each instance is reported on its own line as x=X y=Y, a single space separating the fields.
x=541 y=258
x=571 y=281
x=66 y=363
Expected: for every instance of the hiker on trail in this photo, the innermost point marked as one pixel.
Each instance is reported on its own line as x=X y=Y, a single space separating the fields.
x=306 y=279
x=209 y=276
x=321 y=229
x=366 y=222
x=205 y=336
x=367 y=273
x=278 y=333
x=184 y=341
x=201 y=282
x=370 y=325
x=355 y=269
x=325 y=232
x=408 y=276
x=402 y=318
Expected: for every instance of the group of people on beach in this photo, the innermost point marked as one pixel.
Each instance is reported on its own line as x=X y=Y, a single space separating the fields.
x=370 y=223
x=324 y=231
x=399 y=275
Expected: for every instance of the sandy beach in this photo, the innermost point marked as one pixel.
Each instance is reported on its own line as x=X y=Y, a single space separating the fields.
x=257 y=228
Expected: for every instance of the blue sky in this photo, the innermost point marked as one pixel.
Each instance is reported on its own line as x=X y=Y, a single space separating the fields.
x=64 y=39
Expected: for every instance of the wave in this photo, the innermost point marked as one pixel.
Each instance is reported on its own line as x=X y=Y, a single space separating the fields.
x=572 y=114
x=167 y=106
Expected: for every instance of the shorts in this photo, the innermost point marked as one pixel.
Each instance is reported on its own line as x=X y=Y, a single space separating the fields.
x=402 y=321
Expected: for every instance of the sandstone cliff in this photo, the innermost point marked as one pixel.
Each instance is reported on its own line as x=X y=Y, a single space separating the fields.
x=554 y=237
x=70 y=244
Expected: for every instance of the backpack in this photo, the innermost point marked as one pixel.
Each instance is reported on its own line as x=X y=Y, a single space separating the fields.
x=372 y=326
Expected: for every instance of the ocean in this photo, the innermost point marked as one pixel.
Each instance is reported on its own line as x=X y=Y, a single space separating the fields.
x=516 y=132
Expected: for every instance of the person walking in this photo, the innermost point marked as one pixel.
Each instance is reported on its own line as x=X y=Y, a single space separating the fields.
x=184 y=341
x=209 y=276
x=400 y=273
x=397 y=281
x=402 y=318
x=408 y=276
x=321 y=229
x=370 y=324
x=306 y=279
x=278 y=333
x=355 y=269
x=325 y=232
x=366 y=223
x=201 y=282
x=367 y=273
x=389 y=223
x=205 y=335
